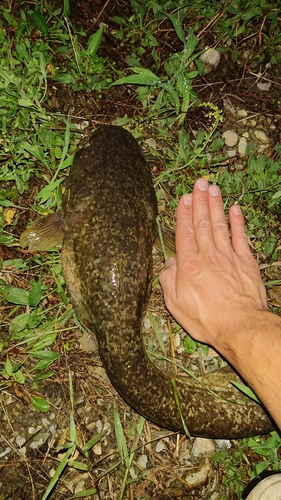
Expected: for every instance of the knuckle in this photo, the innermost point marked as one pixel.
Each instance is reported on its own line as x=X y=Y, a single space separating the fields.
x=186 y=232
x=220 y=225
x=203 y=223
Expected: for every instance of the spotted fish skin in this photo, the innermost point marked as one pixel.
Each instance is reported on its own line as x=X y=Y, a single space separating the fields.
x=110 y=209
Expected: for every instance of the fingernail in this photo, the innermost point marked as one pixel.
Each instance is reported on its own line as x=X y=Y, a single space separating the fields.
x=236 y=210
x=187 y=199
x=202 y=184
x=214 y=190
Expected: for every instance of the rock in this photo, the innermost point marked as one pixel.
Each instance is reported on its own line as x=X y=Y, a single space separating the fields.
x=160 y=447
x=230 y=138
x=242 y=146
x=261 y=136
x=198 y=476
x=210 y=59
x=264 y=86
x=222 y=444
x=239 y=167
x=241 y=113
x=231 y=153
x=142 y=461
x=203 y=447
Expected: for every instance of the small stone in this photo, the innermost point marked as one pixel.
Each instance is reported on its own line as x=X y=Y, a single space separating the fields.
x=146 y=323
x=239 y=167
x=264 y=86
x=230 y=137
x=198 y=476
x=20 y=441
x=253 y=123
x=176 y=340
x=211 y=59
x=242 y=113
x=231 y=153
x=246 y=135
x=142 y=461
x=222 y=444
x=160 y=447
x=261 y=136
x=88 y=342
x=203 y=447
x=97 y=449
x=242 y=146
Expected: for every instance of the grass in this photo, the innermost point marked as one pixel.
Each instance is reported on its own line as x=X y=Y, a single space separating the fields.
x=41 y=49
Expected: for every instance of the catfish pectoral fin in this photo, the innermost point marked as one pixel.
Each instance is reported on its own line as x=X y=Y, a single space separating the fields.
x=44 y=233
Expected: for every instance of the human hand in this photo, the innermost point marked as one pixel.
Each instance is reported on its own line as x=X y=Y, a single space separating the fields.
x=214 y=282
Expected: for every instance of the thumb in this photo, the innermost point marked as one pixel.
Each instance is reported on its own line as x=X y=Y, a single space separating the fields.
x=167 y=277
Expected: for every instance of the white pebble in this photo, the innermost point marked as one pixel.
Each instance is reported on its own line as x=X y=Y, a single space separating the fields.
x=230 y=137
x=242 y=113
x=203 y=447
x=211 y=59
x=159 y=447
x=261 y=136
x=242 y=146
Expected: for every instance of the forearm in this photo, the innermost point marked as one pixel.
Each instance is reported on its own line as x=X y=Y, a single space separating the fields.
x=256 y=355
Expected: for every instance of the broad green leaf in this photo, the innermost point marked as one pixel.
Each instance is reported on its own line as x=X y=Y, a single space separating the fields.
x=143 y=77
x=189 y=345
x=40 y=404
x=19 y=323
x=44 y=363
x=65 y=78
x=9 y=366
x=43 y=375
x=177 y=26
x=35 y=294
x=34 y=150
x=94 y=42
x=19 y=377
x=46 y=341
x=26 y=103
x=48 y=191
x=16 y=295
x=46 y=354
x=249 y=14
x=38 y=20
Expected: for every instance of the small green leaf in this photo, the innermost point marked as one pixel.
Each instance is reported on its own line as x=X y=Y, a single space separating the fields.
x=40 y=404
x=35 y=294
x=189 y=345
x=44 y=363
x=43 y=376
x=48 y=191
x=19 y=377
x=38 y=20
x=94 y=42
x=16 y=295
x=143 y=77
x=9 y=366
x=19 y=323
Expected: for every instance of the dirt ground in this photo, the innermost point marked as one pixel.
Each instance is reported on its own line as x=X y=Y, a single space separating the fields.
x=163 y=461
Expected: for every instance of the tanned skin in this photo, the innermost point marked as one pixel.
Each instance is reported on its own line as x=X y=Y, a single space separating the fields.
x=213 y=288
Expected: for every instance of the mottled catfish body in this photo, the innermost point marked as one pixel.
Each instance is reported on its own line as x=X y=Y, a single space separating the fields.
x=110 y=209
x=108 y=224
